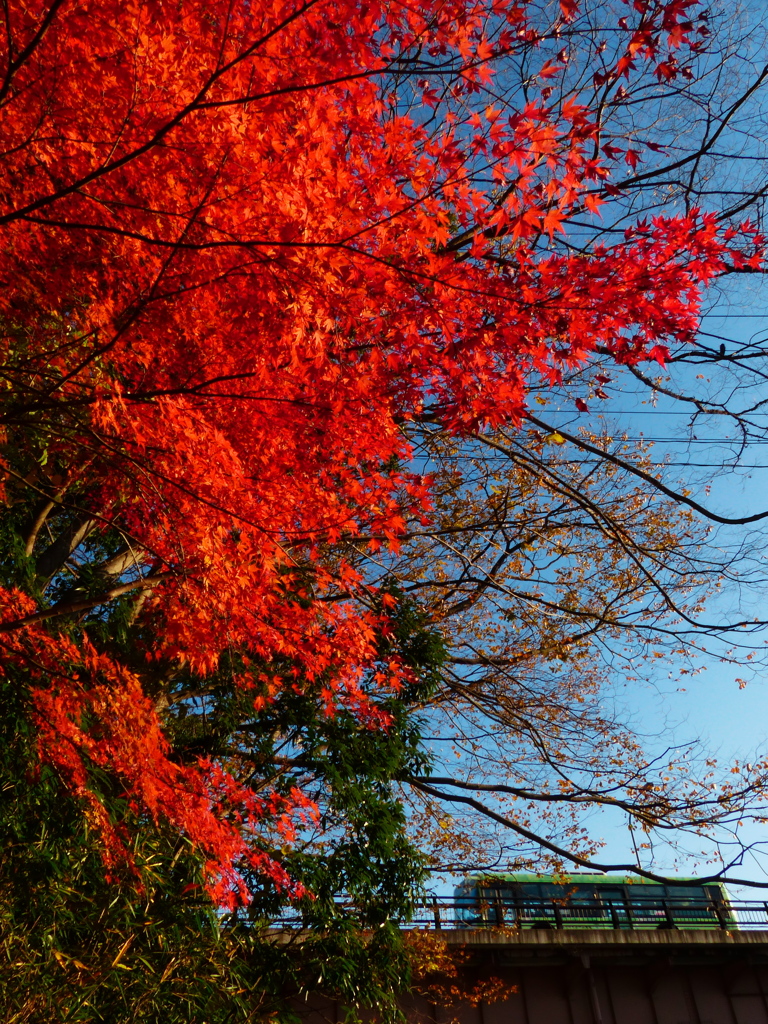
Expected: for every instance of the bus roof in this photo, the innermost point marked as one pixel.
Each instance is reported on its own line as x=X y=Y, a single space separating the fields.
x=579 y=878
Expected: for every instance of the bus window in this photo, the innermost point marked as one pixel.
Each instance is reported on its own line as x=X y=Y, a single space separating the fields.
x=690 y=905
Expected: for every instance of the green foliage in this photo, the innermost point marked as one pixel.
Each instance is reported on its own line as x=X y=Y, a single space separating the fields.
x=76 y=946
x=145 y=944
x=142 y=942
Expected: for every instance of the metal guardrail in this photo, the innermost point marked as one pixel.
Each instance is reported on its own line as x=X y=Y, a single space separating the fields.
x=635 y=914
x=640 y=913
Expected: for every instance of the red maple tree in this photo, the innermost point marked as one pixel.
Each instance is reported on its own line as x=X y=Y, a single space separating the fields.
x=242 y=243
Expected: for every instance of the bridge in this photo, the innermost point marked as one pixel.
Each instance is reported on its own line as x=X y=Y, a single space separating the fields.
x=665 y=962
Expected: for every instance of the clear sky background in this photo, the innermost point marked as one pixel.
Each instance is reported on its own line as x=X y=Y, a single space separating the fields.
x=730 y=721
x=706 y=458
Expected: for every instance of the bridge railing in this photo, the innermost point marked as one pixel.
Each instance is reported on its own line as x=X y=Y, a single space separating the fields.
x=636 y=914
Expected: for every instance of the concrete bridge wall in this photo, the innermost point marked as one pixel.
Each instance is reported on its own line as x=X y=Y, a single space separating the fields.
x=659 y=977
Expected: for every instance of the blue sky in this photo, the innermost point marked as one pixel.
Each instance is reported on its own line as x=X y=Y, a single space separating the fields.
x=730 y=720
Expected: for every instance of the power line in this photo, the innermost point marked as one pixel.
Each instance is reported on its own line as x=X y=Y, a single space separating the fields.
x=658 y=412
x=684 y=440
x=655 y=465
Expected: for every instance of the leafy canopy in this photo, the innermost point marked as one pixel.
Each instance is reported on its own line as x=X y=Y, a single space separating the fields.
x=244 y=245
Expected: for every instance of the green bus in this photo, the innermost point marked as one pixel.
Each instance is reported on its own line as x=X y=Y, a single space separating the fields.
x=590 y=901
